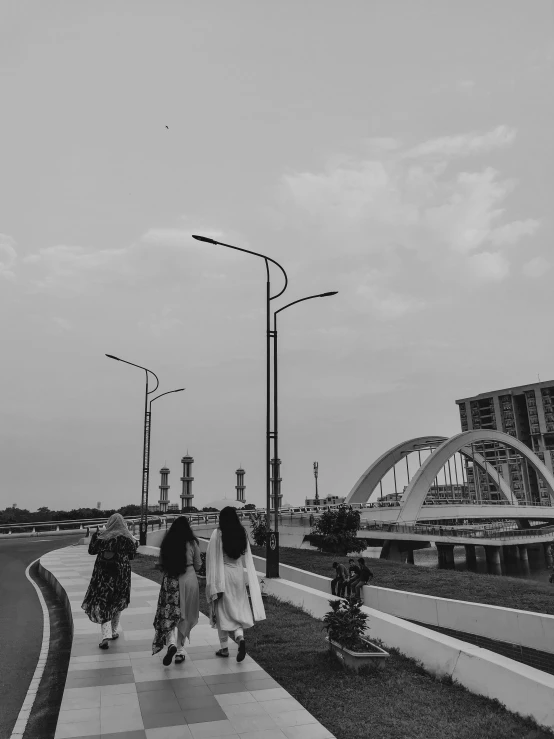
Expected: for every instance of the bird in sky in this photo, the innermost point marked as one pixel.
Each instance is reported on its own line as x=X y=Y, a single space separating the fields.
x=167 y=128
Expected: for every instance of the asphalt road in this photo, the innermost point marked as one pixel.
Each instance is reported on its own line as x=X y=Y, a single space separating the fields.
x=21 y=621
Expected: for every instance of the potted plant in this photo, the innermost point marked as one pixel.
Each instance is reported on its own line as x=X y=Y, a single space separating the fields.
x=346 y=625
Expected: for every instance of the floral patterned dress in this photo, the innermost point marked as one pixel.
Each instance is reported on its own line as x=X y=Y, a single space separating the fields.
x=109 y=591
x=178 y=602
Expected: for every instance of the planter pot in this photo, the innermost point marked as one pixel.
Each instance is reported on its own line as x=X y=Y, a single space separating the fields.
x=201 y=579
x=374 y=657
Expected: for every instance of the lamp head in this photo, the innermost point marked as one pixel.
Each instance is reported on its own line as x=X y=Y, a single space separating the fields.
x=111 y=356
x=327 y=295
x=204 y=238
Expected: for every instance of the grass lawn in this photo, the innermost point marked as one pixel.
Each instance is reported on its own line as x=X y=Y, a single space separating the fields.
x=495 y=590
x=400 y=702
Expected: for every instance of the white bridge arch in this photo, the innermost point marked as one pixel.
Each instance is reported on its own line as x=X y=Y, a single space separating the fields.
x=418 y=487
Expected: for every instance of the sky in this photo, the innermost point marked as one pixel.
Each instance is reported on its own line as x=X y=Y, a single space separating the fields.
x=400 y=153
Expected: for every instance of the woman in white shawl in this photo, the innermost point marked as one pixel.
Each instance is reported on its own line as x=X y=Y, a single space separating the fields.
x=230 y=611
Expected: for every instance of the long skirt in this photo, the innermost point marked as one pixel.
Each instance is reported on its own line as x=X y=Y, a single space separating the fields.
x=233 y=610
x=178 y=606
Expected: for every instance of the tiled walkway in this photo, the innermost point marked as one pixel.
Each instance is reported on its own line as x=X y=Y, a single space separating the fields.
x=126 y=693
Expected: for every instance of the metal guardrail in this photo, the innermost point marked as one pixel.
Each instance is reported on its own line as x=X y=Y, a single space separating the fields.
x=299 y=516
x=451 y=532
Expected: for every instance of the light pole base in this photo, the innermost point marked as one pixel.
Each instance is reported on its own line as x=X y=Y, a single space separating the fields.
x=272 y=555
x=142 y=535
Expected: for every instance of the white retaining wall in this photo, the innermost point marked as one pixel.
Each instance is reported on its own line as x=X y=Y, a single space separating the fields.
x=522 y=689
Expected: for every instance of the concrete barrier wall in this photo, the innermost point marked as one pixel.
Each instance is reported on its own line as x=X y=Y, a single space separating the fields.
x=41 y=534
x=525 y=628
x=522 y=689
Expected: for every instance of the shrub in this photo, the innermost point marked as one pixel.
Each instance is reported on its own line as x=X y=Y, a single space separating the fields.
x=259 y=529
x=335 y=532
x=346 y=623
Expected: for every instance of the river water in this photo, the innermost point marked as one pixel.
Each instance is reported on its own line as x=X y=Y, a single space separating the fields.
x=536 y=570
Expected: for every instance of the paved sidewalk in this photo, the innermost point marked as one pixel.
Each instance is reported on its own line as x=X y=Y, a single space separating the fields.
x=126 y=693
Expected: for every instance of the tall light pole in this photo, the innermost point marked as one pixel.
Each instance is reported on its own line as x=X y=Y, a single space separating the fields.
x=272 y=560
x=146 y=445
x=316 y=472
x=277 y=462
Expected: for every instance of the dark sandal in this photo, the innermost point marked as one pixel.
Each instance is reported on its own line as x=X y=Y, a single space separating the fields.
x=168 y=659
x=179 y=658
x=104 y=644
x=241 y=654
x=221 y=652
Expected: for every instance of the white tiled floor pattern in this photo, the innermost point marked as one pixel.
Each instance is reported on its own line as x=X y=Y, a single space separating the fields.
x=126 y=693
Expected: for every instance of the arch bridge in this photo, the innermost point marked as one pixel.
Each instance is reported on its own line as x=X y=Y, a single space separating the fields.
x=478 y=474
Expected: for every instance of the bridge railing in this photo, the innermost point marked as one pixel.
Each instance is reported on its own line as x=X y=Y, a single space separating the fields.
x=494 y=532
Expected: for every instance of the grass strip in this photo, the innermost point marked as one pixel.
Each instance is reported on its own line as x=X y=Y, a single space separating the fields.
x=494 y=590
x=400 y=702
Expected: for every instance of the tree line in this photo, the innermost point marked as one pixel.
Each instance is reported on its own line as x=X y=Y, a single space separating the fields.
x=16 y=515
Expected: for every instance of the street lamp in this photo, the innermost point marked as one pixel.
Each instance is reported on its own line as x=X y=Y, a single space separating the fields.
x=277 y=461
x=146 y=444
x=271 y=542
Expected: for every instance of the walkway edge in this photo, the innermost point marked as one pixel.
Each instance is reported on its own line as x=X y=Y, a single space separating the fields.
x=28 y=703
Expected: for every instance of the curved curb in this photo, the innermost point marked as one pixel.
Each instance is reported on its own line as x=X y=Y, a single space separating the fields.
x=27 y=707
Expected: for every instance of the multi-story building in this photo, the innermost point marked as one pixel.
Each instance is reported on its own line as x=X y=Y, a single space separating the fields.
x=525 y=412
x=329 y=500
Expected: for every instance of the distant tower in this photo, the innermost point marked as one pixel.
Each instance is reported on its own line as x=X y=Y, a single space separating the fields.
x=99 y=505
x=316 y=472
x=164 y=487
x=240 y=486
x=186 y=495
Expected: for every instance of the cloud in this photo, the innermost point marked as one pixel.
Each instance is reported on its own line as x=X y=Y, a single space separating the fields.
x=464 y=144
x=414 y=201
x=8 y=257
x=161 y=322
x=62 y=323
x=536 y=267
x=466 y=220
x=512 y=232
x=160 y=254
x=489 y=266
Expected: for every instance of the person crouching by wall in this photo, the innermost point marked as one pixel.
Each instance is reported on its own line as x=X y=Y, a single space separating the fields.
x=364 y=577
x=179 y=599
x=338 y=583
x=109 y=591
x=353 y=573
x=230 y=611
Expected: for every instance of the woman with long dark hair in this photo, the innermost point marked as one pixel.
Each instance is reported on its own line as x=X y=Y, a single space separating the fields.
x=230 y=611
x=179 y=600
x=109 y=591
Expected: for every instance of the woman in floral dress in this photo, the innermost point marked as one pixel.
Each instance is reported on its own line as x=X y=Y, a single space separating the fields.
x=179 y=599
x=109 y=591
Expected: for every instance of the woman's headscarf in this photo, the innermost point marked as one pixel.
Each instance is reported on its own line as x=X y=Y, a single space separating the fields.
x=116 y=526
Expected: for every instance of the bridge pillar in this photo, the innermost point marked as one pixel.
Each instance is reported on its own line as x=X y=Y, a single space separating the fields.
x=493 y=560
x=548 y=554
x=471 y=557
x=446 y=556
x=511 y=555
x=410 y=557
x=523 y=553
